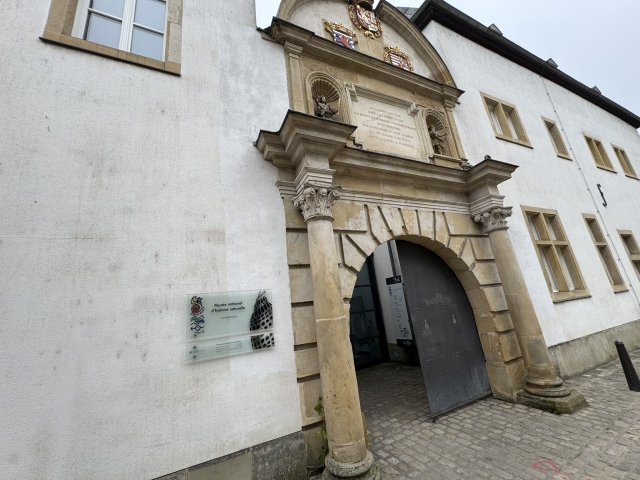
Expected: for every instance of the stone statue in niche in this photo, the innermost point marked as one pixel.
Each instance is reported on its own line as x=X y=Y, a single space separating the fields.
x=322 y=108
x=439 y=147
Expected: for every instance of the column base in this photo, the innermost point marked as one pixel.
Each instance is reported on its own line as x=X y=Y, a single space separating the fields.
x=363 y=470
x=560 y=405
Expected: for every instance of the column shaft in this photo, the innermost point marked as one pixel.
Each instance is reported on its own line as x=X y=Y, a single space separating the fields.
x=348 y=456
x=542 y=378
x=339 y=385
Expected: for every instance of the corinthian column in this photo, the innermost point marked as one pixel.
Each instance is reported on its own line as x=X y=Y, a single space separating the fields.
x=348 y=455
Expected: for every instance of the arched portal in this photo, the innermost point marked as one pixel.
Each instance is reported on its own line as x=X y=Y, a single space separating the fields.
x=406 y=296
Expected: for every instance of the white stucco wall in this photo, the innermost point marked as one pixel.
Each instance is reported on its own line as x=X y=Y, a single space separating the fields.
x=124 y=190
x=544 y=180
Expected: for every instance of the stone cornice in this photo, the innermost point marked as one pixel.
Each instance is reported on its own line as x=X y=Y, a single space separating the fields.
x=301 y=133
x=489 y=172
x=392 y=168
x=323 y=49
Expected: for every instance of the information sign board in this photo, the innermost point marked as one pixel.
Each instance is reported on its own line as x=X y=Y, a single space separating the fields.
x=399 y=313
x=228 y=323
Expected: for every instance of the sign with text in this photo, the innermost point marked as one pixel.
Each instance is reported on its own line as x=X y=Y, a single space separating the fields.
x=387 y=128
x=399 y=313
x=228 y=323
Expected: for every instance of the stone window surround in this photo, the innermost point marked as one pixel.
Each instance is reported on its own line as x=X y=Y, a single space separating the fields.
x=556 y=140
x=631 y=247
x=625 y=163
x=59 y=27
x=608 y=260
x=521 y=135
x=598 y=153
x=581 y=290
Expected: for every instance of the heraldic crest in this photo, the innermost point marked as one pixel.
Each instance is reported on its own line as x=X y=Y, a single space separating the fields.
x=364 y=18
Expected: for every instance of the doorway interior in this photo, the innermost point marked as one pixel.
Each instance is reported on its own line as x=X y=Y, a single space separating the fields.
x=413 y=334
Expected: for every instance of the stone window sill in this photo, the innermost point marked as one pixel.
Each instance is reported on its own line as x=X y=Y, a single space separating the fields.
x=562 y=155
x=79 y=44
x=514 y=140
x=631 y=176
x=606 y=168
x=568 y=296
x=620 y=288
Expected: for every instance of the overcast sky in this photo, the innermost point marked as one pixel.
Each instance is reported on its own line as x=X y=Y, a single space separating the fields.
x=593 y=41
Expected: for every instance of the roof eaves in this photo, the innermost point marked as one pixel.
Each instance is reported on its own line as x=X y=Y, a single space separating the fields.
x=459 y=22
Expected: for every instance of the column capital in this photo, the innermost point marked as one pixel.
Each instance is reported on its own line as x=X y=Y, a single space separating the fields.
x=493 y=219
x=315 y=202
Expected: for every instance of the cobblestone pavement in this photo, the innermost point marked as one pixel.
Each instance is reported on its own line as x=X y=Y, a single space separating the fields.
x=497 y=440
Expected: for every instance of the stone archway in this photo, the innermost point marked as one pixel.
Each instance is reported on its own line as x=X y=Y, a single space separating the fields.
x=465 y=248
x=385 y=197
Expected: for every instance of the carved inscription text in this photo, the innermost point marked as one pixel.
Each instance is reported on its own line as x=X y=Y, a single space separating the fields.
x=386 y=128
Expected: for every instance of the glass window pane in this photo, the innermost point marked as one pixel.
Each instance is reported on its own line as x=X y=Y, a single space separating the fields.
x=547 y=267
x=534 y=227
x=366 y=295
x=550 y=228
x=510 y=122
x=494 y=119
x=147 y=44
x=565 y=268
x=150 y=13
x=104 y=31
x=363 y=275
x=112 y=7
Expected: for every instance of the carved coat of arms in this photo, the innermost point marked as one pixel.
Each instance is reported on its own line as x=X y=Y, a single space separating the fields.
x=341 y=35
x=364 y=18
x=397 y=58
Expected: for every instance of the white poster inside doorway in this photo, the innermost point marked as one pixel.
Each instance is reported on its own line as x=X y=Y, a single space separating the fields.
x=398 y=305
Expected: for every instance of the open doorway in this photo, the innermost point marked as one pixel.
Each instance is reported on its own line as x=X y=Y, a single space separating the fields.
x=429 y=358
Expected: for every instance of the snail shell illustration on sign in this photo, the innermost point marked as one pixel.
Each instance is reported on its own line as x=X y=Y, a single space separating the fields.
x=262 y=319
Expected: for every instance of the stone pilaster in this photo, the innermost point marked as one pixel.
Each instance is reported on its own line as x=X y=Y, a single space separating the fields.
x=294 y=72
x=348 y=454
x=544 y=387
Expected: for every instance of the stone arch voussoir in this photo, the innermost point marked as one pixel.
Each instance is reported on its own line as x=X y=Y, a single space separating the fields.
x=465 y=248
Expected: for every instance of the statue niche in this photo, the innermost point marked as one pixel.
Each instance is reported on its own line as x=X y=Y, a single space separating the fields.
x=326 y=99
x=439 y=135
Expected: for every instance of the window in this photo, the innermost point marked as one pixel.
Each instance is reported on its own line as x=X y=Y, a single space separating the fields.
x=505 y=120
x=599 y=154
x=556 y=138
x=625 y=163
x=555 y=254
x=608 y=261
x=135 y=26
x=631 y=246
x=145 y=32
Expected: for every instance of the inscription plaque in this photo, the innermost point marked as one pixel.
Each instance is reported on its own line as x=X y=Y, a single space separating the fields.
x=387 y=128
x=228 y=323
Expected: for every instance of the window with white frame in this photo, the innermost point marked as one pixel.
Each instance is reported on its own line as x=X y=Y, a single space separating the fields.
x=136 y=26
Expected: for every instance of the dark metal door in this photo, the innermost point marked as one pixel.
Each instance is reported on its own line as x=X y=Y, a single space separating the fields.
x=453 y=364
